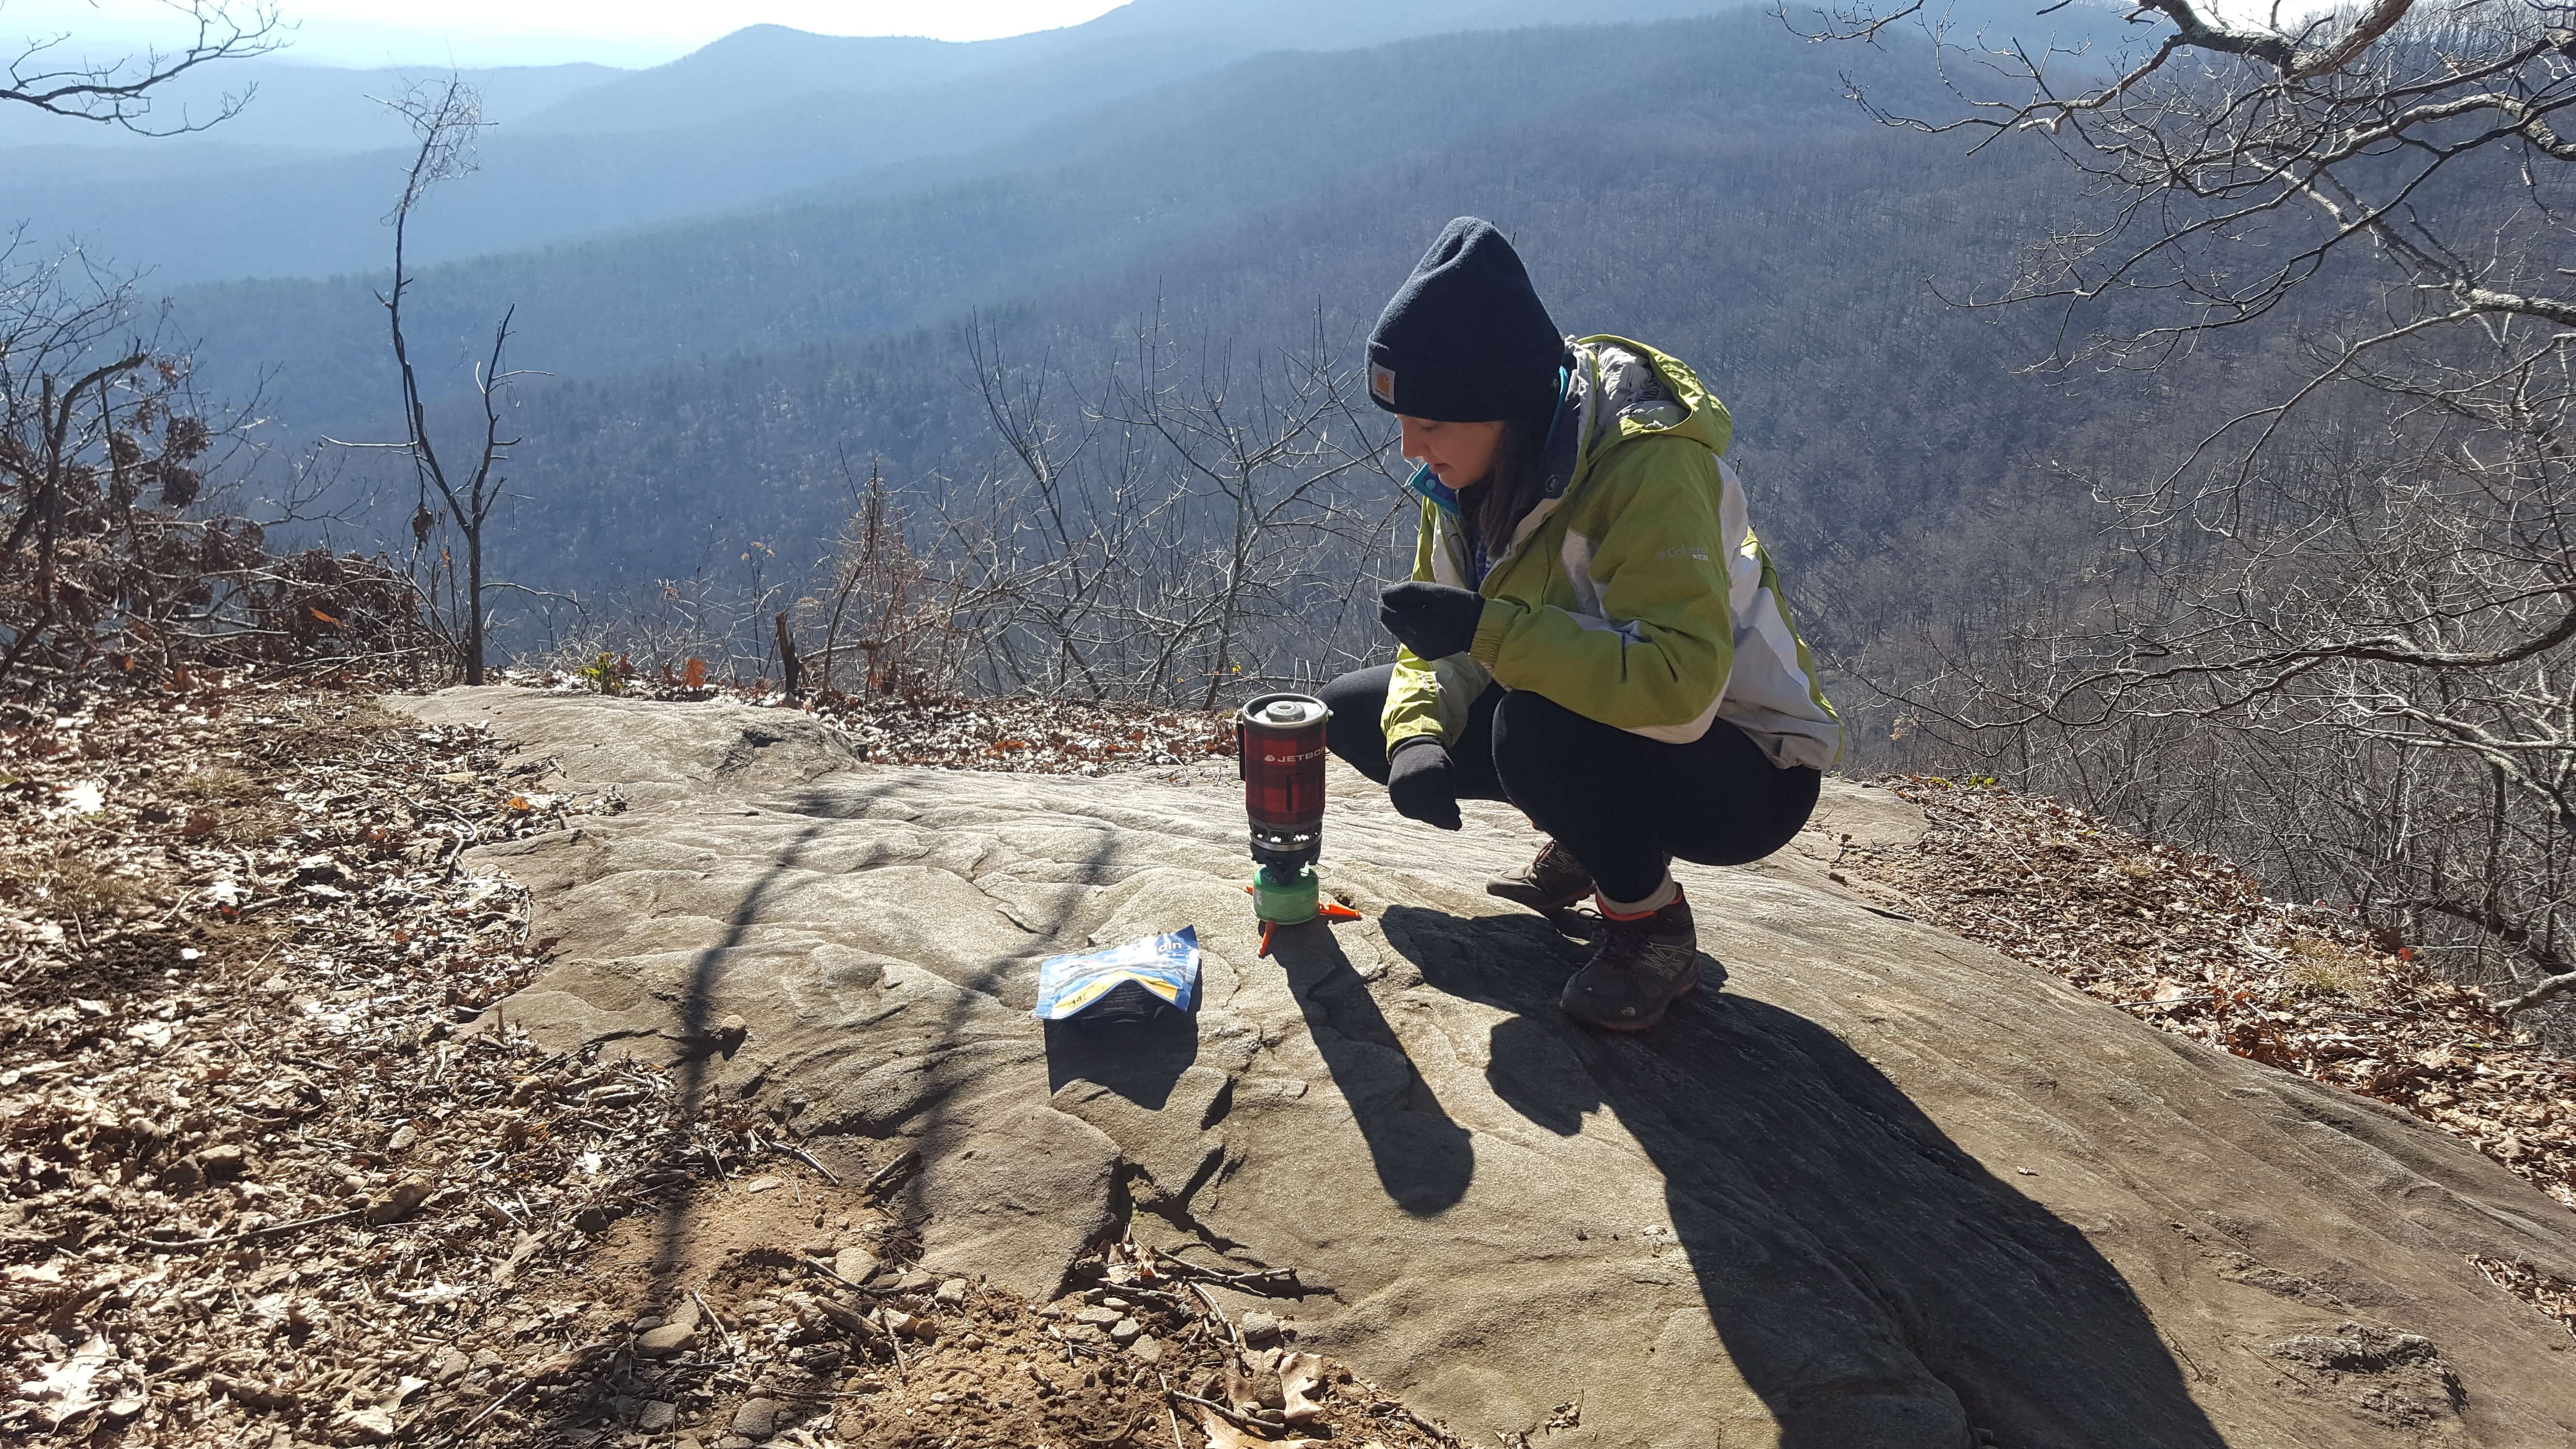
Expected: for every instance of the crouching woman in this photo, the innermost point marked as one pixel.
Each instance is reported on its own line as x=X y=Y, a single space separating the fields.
x=1593 y=633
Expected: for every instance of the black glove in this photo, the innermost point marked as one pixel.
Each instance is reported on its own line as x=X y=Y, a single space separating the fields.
x=1419 y=782
x=1433 y=620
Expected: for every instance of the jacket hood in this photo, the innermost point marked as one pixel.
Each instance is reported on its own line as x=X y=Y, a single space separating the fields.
x=1625 y=389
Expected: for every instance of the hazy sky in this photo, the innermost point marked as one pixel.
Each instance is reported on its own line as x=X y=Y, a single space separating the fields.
x=537 y=32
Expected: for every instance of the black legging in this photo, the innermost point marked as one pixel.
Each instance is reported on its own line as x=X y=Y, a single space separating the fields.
x=1624 y=804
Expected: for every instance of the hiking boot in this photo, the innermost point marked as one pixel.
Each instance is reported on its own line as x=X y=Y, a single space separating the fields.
x=1642 y=966
x=1549 y=883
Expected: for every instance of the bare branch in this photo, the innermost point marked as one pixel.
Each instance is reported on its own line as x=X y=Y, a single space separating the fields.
x=120 y=92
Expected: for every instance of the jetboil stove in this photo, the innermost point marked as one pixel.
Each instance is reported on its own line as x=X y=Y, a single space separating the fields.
x=1279 y=749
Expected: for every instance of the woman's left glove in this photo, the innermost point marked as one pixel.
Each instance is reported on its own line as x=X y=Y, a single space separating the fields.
x=1422 y=783
x=1433 y=620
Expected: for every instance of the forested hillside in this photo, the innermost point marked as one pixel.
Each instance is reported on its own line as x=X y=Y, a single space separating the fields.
x=1707 y=188
x=1111 y=188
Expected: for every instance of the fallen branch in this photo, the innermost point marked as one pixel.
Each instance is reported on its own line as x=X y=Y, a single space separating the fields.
x=494 y=1407
x=731 y=1347
x=1219 y=1314
x=1263 y=1282
x=2547 y=989
x=811 y=1266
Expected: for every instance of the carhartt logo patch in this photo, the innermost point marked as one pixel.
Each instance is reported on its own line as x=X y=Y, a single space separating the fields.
x=1382 y=383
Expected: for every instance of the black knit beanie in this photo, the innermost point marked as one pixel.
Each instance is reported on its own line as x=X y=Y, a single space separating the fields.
x=1465 y=339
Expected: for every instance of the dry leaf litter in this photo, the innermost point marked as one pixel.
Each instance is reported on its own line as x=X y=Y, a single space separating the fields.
x=1018 y=734
x=2189 y=944
x=275 y=1176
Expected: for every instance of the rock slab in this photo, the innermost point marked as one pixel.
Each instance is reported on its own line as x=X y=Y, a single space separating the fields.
x=1887 y=1188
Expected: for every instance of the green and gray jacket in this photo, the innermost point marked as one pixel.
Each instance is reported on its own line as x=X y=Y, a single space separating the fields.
x=1635 y=593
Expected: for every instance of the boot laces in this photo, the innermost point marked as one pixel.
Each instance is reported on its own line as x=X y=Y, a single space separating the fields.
x=1556 y=865
x=1640 y=947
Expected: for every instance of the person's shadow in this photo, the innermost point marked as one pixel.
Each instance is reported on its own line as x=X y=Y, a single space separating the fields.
x=1872 y=1282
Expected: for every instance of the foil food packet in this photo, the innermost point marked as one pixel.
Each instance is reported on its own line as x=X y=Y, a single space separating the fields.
x=1130 y=981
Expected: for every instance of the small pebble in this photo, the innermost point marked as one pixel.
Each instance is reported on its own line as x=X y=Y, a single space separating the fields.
x=666 y=1341
x=757 y=1419
x=952 y=1292
x=1259 y=1327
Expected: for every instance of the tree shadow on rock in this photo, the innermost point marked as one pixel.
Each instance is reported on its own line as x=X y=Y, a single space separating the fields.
x=1873 y=1283
x=1424 y=1160
x=613 y=1384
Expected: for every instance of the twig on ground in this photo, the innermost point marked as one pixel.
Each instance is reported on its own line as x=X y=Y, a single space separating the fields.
x=803 y=1156
x=1231 y=1416
x=493 y=1407
x=1218 y=1314
x=732 y=1345
x=247 y=1234
x=885 y=1176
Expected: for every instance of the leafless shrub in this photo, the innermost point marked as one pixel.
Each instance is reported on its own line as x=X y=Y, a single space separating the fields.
x=445 y=118
x=1182 y=526
x=116 y=547
x=883 y=613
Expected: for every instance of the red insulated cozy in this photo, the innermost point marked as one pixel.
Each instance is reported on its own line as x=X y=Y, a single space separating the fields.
x=1279 y=747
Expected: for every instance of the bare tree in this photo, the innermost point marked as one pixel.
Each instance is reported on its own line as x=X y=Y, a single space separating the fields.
x=120 y=92
x=2356 y=591
x=70 y=365
x=1187 y=525
x=445 y=117
x=115 y=548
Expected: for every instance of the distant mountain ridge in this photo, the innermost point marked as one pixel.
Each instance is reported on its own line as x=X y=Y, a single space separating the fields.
x=581 y=151
x=775 y=60
x=293 y=109
x=904 y=245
